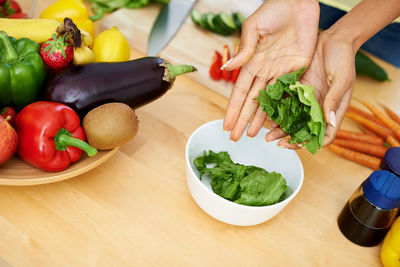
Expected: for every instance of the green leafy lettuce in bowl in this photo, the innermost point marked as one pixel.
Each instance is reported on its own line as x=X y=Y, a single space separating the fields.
x=294 y=107
x=247 y=185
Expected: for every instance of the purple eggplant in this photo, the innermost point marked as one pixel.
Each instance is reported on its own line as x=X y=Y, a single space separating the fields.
x=135 y=83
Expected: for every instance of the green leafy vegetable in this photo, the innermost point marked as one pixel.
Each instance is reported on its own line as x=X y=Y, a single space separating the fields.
x=294 y=107
x=247 y=185
x=100 y=7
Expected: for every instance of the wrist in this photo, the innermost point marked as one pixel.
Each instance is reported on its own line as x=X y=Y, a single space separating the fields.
x=346 y=35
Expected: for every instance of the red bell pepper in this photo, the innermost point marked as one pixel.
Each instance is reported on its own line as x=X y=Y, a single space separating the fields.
x=50 y=136
x=226 y=75
x=215 y=68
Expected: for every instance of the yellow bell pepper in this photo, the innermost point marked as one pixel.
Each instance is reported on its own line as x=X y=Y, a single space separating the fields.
x=390 y=250
x=111 y=46
x=73 y=9
x=66 y=8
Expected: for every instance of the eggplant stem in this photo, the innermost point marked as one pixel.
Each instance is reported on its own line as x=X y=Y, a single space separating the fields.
x=176 y=70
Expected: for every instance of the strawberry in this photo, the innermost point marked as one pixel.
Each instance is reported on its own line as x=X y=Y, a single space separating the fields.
x=9 y=115
x=15 y=6
x=57 y=52
x=20 y=15
x=10 y=8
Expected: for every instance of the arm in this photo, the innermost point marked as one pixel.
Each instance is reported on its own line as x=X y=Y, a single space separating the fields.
x=366 y=19
x=332 y=69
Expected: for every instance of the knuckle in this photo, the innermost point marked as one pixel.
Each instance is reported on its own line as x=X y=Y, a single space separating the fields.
x=261 y=116
x=248 y=70
x=241 y=90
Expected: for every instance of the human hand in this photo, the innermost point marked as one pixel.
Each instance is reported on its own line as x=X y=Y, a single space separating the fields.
x=278 y=38
x=332 y=73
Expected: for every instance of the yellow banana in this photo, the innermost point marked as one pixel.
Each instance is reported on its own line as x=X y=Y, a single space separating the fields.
x=38 y=30
x=87 y=38
x=83 y=55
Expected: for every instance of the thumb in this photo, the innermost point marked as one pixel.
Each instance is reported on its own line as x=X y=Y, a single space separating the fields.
x=339 y=84
x=248 y=43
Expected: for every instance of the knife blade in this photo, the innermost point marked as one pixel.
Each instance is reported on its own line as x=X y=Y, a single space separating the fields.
x=167 y=24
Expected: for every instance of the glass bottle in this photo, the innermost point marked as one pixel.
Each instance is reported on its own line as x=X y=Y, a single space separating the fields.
x=371 y=210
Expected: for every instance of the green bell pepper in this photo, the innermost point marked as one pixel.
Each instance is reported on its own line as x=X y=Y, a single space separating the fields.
x=22 y=71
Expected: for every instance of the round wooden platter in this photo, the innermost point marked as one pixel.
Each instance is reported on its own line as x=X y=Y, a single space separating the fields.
x=17 y=172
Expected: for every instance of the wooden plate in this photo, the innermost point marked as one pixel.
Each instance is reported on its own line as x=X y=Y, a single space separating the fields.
x=17 y=172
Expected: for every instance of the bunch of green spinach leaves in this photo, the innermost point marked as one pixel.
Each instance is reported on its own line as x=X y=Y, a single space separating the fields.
x=247 y=185
x=294 y=107
x=99 y=7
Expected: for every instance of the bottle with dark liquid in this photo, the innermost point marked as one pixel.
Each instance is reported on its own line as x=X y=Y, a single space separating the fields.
x=371 y=210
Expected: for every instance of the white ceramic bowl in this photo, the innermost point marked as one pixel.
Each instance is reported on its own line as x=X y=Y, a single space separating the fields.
x=248 y=151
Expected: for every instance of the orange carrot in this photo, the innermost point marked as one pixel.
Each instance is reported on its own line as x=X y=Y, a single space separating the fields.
x=392 y=114
x=393 y=141
x=368 y=132
x=360 y=137
x=366 y=115
x=391 y=124
x=360 y=146
x=363 y=159
x=370 y=125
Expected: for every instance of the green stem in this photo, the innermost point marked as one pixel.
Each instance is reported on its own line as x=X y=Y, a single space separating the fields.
x=10 y=51
x=98 y=12
x=64 y=139
x=176 y=70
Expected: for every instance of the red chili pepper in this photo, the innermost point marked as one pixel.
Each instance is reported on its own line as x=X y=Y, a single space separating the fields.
x=50 y=136
x=235 y=75
x=226 y=75
x=215 y=68
x=235 y=72
x=9 y=115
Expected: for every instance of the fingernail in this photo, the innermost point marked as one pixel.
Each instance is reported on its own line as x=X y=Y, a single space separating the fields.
x=332 y=118
x=232 y=141
x=226 y=64
x=251 y=137
x=225 y=131
x=281 y=146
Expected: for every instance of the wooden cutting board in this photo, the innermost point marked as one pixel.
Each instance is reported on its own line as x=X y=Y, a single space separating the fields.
x=191 y=45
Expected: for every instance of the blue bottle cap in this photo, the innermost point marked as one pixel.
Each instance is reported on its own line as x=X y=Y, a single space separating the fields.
x=392 y=160
x=382 y=188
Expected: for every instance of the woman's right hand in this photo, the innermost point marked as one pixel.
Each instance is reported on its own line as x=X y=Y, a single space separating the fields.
x=278 y=38
x=332 y=73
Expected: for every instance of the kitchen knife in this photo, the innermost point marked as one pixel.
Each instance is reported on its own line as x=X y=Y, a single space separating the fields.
x=168 y=22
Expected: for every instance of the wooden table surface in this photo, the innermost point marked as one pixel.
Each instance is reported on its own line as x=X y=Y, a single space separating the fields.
x=136 y=209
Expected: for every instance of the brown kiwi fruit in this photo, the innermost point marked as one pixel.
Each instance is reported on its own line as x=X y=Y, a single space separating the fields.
x=110 y=125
